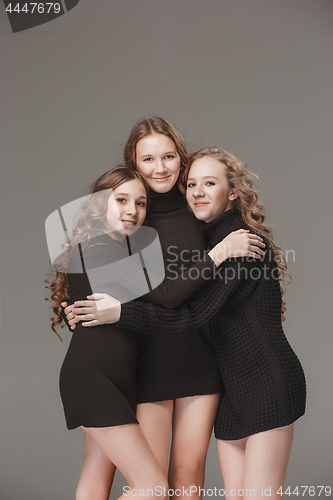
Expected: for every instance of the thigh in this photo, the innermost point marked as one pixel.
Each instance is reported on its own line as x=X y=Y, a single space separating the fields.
x=97 y=472
x=96 y=459
x=193 y=421
x=155 y=422
x=266 y=460
x=126 y=447
x=231 y=458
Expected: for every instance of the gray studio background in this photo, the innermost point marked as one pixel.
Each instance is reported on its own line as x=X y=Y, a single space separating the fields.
x=253 y=76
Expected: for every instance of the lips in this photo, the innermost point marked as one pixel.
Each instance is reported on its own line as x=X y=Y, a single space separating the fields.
x=128 y=222
x=161 y=179
x=199 y=204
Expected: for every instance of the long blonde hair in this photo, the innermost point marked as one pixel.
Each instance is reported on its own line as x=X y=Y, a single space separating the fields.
x=90 y=223
x=252 y=211
x=156 y=125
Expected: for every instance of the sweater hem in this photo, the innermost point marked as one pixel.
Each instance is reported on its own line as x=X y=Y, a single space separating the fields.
x=179 y=382
x=229 y=436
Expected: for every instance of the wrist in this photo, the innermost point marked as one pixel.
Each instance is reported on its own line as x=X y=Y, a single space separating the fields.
x=116 y=314
x=217 y=255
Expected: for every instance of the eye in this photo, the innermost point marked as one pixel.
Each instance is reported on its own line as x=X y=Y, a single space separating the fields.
x=121 y=200
x=191 y=184
x=147 y=160
x=141 y=203
x=210 y=183
x=168 y=157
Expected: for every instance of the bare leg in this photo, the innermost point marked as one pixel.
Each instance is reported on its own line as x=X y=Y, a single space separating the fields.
x=155 y=424
x=193 y=421
x=257 y=464
x=232 y=458
x=266 y=460
x=97 y=473
x=126 y=447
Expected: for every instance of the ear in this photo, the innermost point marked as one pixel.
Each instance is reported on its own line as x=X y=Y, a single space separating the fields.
x=233 y=195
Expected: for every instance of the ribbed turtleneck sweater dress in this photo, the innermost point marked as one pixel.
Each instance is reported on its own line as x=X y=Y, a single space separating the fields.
x=172 y=366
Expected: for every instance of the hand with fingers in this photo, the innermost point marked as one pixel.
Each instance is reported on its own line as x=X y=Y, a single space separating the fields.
x=283 y=310
x=69 y=314
x=239 y=243
x=99 y=309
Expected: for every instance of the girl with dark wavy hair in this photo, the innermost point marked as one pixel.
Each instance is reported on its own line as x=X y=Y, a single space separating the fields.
x=98 y=377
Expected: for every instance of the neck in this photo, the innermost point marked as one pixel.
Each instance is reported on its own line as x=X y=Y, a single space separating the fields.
x=162 y=202
x=217 y=229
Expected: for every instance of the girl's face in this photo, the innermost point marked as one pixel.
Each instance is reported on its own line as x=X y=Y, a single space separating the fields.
x=126 y=210
x=158 y=162
x=208 y=193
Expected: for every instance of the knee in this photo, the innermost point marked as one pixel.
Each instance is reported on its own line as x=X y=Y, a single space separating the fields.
x=163 y=488
x=90 y=491
x=156 y=489
x=187 y=473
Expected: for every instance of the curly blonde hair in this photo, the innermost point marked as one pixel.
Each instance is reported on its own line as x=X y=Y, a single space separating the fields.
x=90 y=223
x=156 y=125
x=240 y=180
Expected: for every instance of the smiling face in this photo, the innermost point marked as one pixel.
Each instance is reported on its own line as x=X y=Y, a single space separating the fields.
x=126 y=210
x=208 y=193
x=158 y=162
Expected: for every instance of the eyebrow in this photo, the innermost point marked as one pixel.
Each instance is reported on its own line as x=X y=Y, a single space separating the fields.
x=126 y=194
x=167 y=153
x=206 y=177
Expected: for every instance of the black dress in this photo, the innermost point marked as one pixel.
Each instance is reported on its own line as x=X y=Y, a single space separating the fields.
x=264 y=380
x=173 y=366
x=98 y=376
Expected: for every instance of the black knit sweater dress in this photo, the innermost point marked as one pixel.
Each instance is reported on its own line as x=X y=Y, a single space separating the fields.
x=263 y=378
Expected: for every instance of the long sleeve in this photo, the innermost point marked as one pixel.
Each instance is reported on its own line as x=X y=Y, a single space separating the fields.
x=64 y=317
x=101 y=251
x=172 y=292
x=235 y=279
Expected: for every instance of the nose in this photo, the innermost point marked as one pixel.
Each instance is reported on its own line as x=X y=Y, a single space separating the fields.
x=131 y=209
x=198 y=191
x=160 y=167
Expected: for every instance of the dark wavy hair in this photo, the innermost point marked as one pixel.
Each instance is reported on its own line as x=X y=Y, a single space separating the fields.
x=90 y=222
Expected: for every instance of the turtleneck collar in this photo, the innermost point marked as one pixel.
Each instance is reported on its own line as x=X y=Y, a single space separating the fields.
x=162 y=202
x=224 y=224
